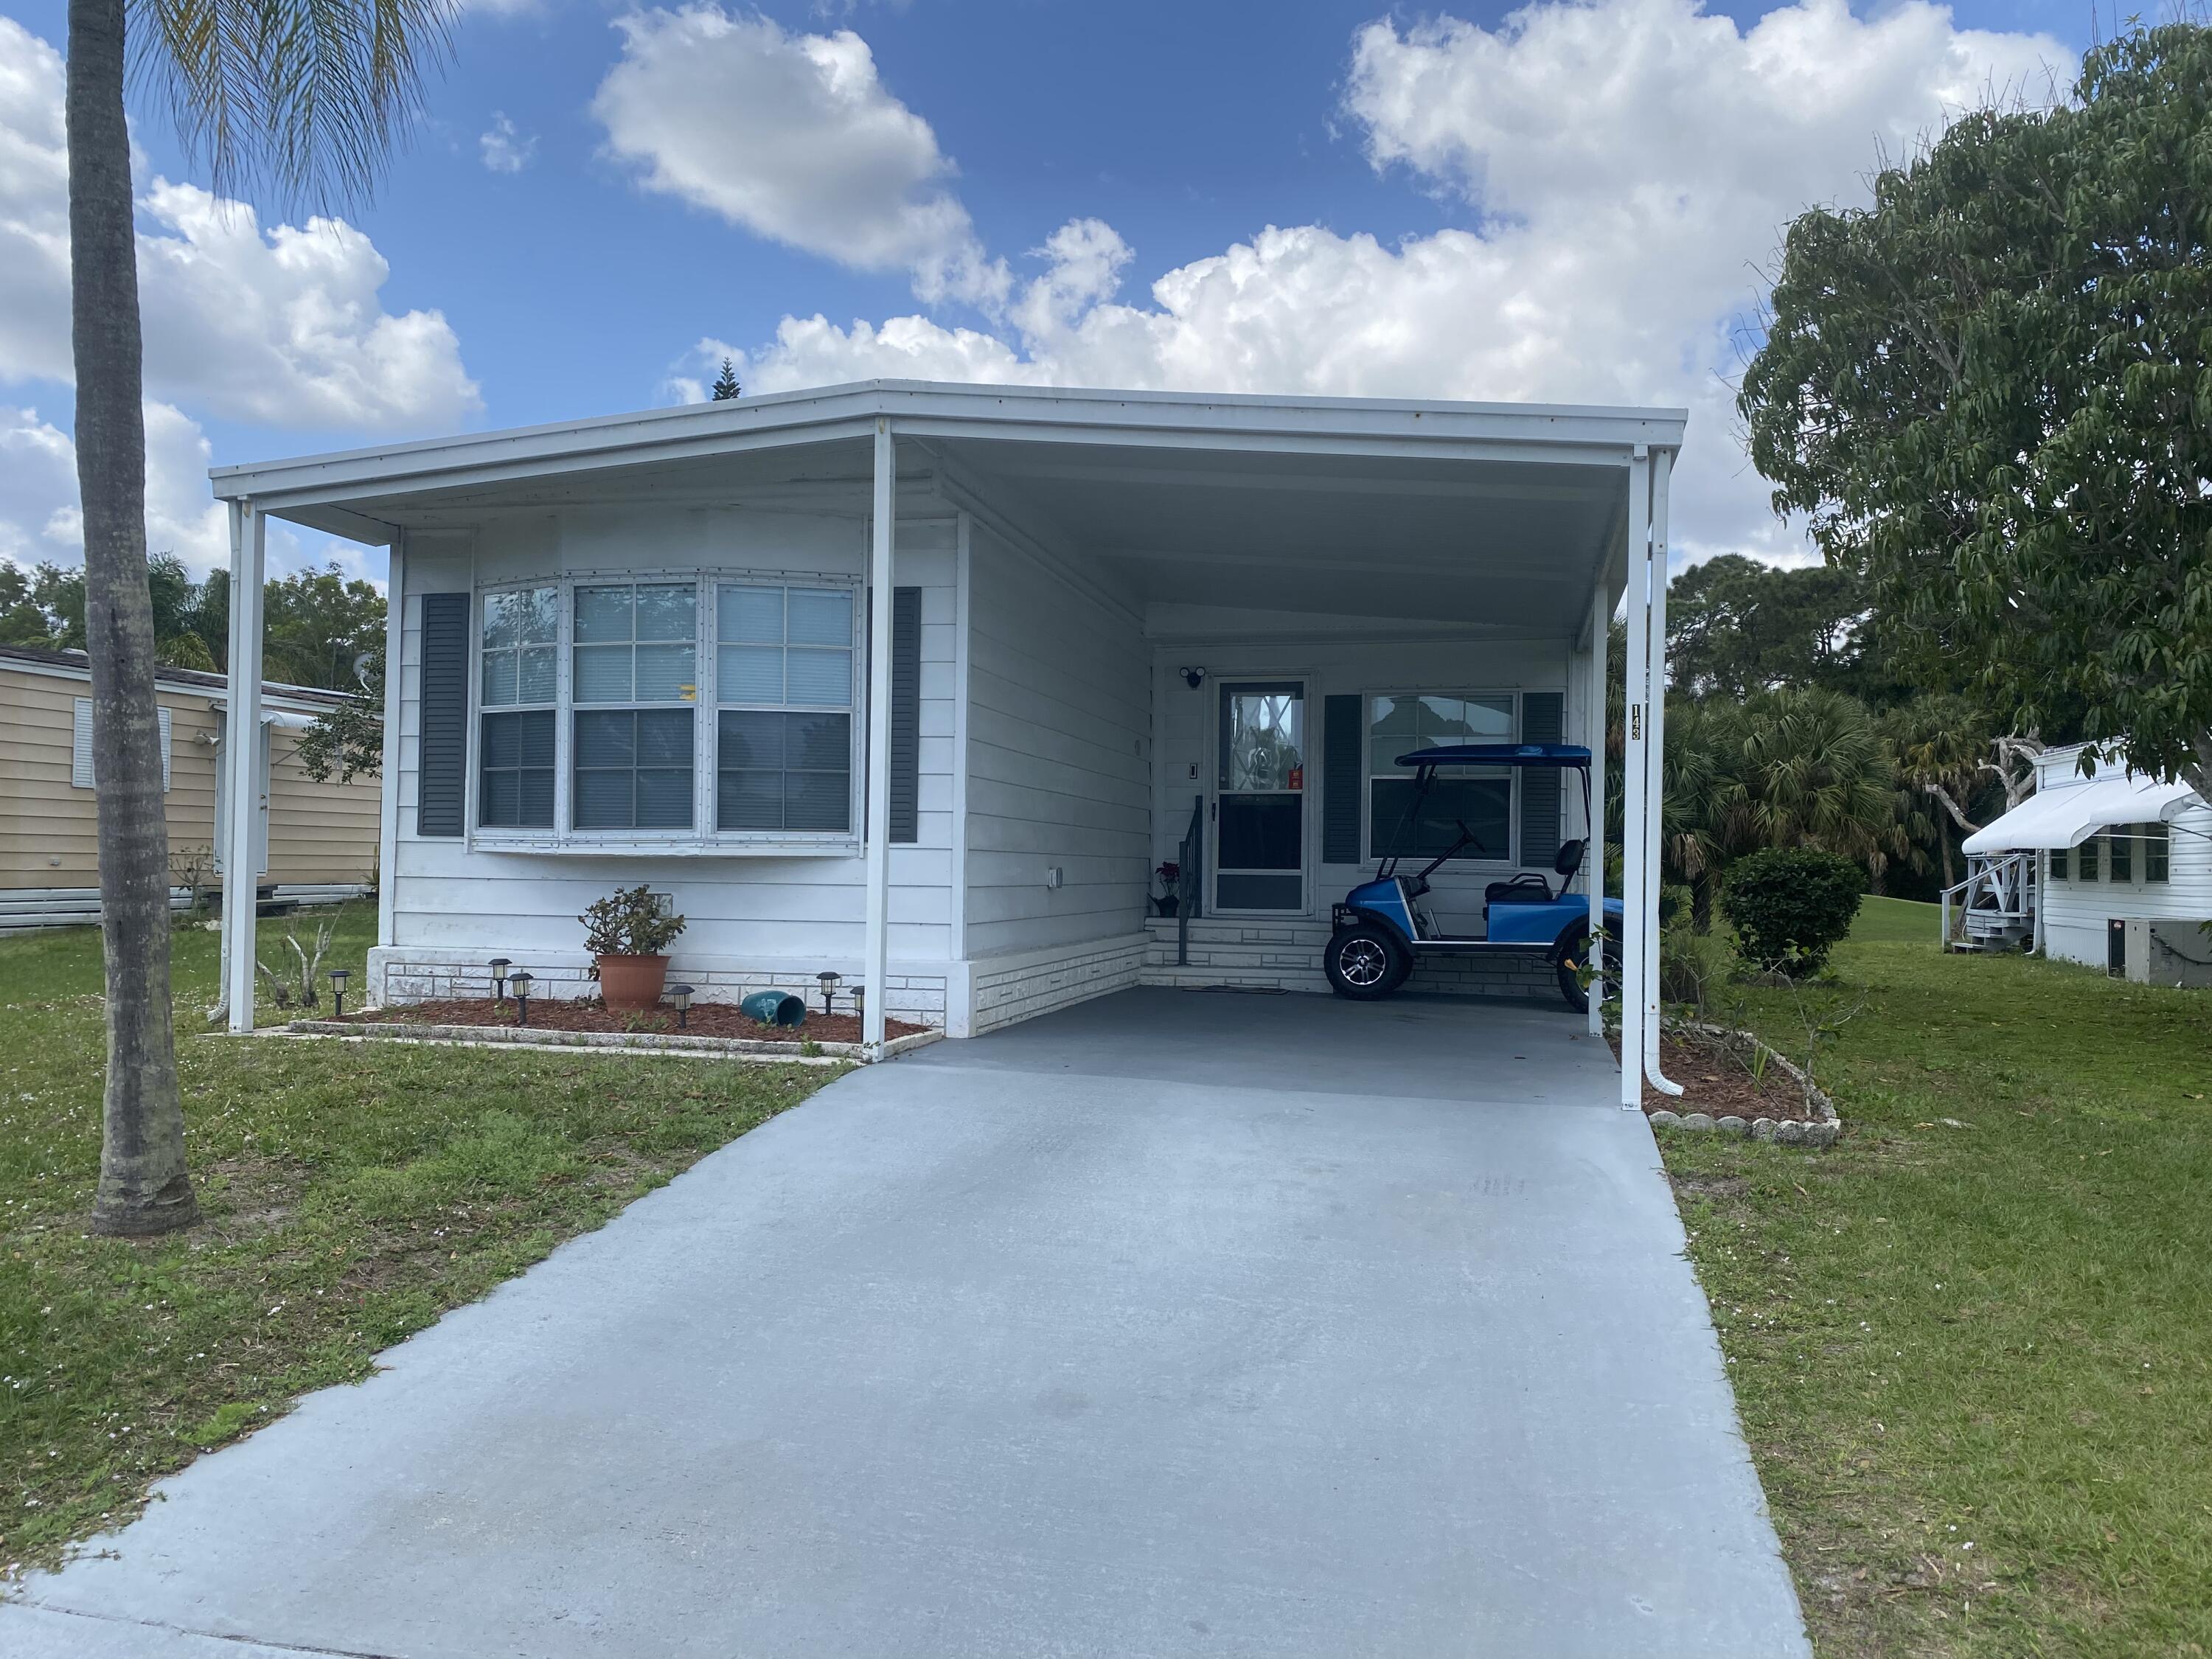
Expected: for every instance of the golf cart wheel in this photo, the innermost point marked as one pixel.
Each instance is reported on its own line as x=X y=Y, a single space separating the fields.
x=1365 y=964
x=1569 y=965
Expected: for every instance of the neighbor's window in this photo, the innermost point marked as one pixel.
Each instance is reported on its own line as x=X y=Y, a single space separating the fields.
x=2058 y=864
x=2122 y=853
x=635 y=684
x=1482 y=797
x=783 y=738
x=2087 y=869
x=2157 y=843
x=514 y=748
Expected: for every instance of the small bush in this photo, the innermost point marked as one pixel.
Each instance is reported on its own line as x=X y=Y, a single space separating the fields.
x=1789 y=906
x=1693 y=967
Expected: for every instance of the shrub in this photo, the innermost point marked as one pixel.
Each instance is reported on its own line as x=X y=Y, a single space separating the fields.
x=1693 y=967
x=630 y=921
x=1790 y=906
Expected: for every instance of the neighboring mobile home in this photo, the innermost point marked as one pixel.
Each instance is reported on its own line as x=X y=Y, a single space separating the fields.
x=1108 y=631
x=314 y=841
x=2118 y=868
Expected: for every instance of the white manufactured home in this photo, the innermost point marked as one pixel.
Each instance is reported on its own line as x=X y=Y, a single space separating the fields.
x=1098 y=633
x=2109 y=867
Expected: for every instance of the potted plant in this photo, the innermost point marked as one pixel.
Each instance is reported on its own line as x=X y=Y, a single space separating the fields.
x=627 y=933
x=1170 y=900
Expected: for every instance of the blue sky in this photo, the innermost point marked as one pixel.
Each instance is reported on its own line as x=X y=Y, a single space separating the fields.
x=1567 y=202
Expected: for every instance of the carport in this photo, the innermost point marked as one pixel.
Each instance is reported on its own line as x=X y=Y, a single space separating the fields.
x=1100 y=633
x=1166 y=1323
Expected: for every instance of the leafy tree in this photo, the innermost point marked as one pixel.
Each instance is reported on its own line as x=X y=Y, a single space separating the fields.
x=1991 y=392
x=1736 y=627
x=347 y=742
x=307 y=93
x=725 y=382
x=318 y=625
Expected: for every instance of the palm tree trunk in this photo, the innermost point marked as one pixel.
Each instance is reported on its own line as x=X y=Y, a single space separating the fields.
x=144 y=1187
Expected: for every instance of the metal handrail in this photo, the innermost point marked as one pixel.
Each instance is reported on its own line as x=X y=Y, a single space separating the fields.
x=1188 y=882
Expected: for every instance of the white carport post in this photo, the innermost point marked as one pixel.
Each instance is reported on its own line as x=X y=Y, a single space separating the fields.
x=1654 y=788
x=1636 y=909
x=875 y=967
x=1594 y=827
x=241 y=751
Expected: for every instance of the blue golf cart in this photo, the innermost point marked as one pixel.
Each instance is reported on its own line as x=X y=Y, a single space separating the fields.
x=1382 y=929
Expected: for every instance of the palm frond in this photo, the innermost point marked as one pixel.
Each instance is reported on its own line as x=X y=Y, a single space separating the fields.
x=308 y=97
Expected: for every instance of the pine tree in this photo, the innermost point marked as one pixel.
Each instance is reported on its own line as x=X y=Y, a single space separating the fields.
x=725 y=385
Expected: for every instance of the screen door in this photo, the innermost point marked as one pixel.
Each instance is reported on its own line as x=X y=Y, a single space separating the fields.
x=1259 y=820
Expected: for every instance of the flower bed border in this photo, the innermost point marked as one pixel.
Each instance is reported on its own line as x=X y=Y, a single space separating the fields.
x=666 y=1042
x=1782 y=1132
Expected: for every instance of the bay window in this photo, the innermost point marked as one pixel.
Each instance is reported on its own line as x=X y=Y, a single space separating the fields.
x=668 y=710
x=1480 y=797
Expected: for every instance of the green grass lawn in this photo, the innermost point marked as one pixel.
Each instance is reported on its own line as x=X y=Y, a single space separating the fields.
x=1972 y=1343
x=350 y=1195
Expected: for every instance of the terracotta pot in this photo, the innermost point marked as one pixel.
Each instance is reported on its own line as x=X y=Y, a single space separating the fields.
x=631 y=985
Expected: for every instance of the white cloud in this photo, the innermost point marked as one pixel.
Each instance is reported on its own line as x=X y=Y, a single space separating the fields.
x=795 y=138
x=41 y=521
x=1634 y=161
x=504 y=149
x=39 y=518
x=284 y=327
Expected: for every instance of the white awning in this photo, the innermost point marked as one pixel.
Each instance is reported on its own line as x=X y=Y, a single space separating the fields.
x=2067 y=816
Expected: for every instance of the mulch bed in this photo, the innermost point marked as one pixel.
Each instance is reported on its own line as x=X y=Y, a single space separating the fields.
x=1719 y=1082
x=706 y=1019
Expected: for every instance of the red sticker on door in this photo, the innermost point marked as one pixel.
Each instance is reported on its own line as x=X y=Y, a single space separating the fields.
x=1297 y=778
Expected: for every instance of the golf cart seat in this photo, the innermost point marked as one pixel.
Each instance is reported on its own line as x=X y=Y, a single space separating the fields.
x=1529 y=888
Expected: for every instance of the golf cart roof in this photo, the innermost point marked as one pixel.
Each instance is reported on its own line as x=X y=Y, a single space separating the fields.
x=1497 y=754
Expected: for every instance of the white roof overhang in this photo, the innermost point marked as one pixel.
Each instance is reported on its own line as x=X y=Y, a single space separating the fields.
x=1494 y=518
x=2062 y=817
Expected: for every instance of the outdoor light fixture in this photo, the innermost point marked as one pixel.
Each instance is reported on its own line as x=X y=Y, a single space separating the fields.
x=499 y=967
x=681 y=996
x=337 y=990
x=1193 y=678
x=859 y=1002
x=830 y=979
x=522 y=981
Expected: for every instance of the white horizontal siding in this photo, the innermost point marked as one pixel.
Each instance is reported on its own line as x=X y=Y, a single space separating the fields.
x=1058 y=765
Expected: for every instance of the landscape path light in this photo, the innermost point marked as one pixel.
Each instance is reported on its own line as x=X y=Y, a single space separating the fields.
x=829 y=978
x=337 y=991
x=499 y=967
x=522 y=981
x=681 y=996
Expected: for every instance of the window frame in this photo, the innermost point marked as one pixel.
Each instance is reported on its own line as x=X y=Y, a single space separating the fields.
x=533 y=834
x=854 y=710
x=2158 y=839
x=704 y=837
x=1369 y=775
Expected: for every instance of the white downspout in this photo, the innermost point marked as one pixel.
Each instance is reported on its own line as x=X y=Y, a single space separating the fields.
x=1634 y=781
x=1655 y=796
x=875 y=966
x=1595 y=733
x=241 y=875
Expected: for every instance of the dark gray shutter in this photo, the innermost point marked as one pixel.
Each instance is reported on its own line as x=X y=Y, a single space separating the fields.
x=1343 y=779
x=906 y=714
x=1543 y=720
x=441 y=778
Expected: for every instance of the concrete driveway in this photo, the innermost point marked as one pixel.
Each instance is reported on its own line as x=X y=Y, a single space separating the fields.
x=1171 y=1324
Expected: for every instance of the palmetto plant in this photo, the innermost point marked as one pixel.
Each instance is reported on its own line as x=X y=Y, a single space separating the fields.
x=305 y=94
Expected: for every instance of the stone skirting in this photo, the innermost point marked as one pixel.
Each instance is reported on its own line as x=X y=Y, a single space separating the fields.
x=400 y=974
x=1286 y=955
x=1009 y=989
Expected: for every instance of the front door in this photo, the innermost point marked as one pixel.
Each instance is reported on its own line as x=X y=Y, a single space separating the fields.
x=1259 y=815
